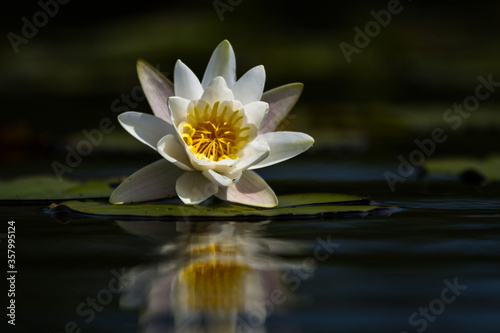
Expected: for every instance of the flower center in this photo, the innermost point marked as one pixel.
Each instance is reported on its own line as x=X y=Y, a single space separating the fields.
x=213 y=134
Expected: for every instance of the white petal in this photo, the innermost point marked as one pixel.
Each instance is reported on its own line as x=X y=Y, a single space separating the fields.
x=222 y=63
x=172 y=151
x=197 y=163
x=256 y=112
x=250 y=86
x=281 y=100
x=224 y=166
x=192 y=187
x=219 y=179
x=250 y=190
x=283 y=145
x=178 y=107
x=157 y=89
x=144 y=127
x=155 y=181
x=217 y=91
x=186 y=84
x=253 y=153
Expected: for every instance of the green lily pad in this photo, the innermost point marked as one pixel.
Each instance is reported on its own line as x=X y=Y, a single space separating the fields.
x=488 y=167
x=51 y=188
x=311 y=205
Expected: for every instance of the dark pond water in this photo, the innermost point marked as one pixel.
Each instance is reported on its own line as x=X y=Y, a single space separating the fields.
x=434 y=266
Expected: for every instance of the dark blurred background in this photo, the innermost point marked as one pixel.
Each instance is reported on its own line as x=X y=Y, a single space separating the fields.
x=394 y=90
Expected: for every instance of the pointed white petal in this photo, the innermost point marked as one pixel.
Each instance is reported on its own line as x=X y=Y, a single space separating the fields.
x=157 y=89
x=155 y=181
x=250 y=86
x=256 y=113
x=172 y=151
x=219 y=179
x=222 y=63
x=253 y=153
x=178 y=107
x=144 y=127
x=217 y=91
x=192 y=187
x=250 y=190
x=281 y=100
x=186 y=84
x=283 y=145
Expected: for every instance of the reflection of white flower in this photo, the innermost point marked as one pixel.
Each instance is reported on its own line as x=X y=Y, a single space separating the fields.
x=217 y=277
x=211 y=134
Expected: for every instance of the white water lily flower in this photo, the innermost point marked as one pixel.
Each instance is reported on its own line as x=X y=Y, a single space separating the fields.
x=211 y=134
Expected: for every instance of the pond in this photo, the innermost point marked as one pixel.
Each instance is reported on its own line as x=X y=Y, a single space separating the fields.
x=387 y=87
x=432 y=265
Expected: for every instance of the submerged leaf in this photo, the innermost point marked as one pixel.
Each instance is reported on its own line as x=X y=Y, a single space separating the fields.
x=50 y=188
x=459 y=166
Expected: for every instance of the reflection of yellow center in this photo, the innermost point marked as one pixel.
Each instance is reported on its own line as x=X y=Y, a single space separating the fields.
x=212 y=134
x=215 y=283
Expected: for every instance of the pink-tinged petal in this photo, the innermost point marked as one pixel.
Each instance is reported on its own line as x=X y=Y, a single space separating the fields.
x=219 y=179
x=283 y=146
x=172 y=151
x=178 y=107
x=217 y=91
x=186 y=84
x=250 y=86
x=222 y=63
x=155 y=181
x=144 y=127
x=250 y=190
x=281 y=100
x=157 y=89
x=192 y=188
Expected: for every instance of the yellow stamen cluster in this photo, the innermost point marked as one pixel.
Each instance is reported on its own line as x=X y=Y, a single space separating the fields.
x=213 y=134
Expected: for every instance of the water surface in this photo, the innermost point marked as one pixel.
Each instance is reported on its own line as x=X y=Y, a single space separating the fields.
x=432 y=266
